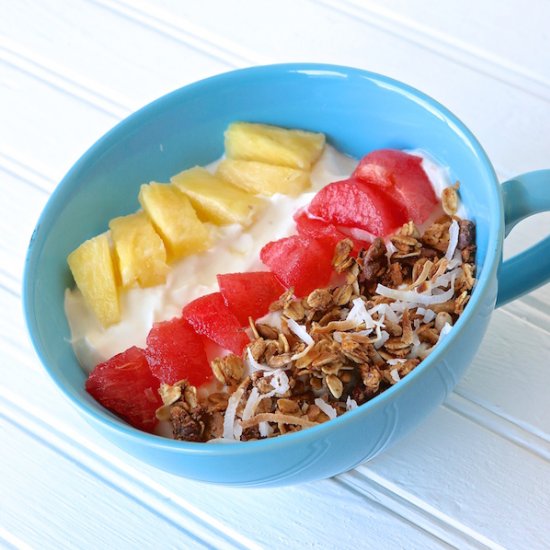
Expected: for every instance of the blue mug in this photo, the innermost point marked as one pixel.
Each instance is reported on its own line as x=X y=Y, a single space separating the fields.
x=358 y=111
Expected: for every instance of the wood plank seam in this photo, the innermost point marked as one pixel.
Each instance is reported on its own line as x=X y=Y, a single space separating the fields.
x=454 y=50
x=61 y=83
x=26 y=174
x=60 y=440
x=414 y=510
x=197 y=39
x=539 y=440
x=100 y=464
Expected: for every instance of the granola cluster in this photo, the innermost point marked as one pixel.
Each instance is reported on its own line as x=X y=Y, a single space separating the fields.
x=312 y=359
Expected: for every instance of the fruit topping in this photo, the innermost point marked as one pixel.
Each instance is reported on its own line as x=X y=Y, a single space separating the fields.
x=125 y=385
x=300 y=262
x=176 y=352
x=210 y=316
x=249 y=294
x=273 y=145
x=259 y=177
x=401 y=175
x=174 y=218
x=216 y=200
x=319 y=229
x=351 y=203
x=139 y=250
x=94 y=273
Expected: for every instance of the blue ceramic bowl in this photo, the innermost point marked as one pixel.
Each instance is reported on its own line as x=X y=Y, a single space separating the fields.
x=358 y=111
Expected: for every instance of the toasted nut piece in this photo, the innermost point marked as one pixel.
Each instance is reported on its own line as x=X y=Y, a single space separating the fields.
x=335 y=385
x=342 y=295
x=288 y=406
x=342 y=253
x=449 y=200
x=441 y=319
x=295 y=310
x=268 y=332
x=169 y=394
x=320 y=298
x=228 y=370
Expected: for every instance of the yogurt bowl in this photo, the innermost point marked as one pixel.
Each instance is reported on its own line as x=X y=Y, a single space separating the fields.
x=359 y=112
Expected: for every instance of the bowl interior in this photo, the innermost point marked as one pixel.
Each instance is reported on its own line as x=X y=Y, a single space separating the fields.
x=358 y=112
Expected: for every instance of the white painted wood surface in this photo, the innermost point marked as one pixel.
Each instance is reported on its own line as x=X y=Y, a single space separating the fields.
x=476 y=474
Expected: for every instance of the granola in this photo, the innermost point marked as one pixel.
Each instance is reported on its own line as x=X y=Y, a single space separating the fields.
x=314 y=358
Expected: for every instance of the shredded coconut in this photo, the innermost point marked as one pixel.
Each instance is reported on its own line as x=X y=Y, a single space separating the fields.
x=325 y=407
x=265 y=429
x=358 y=314
x=300 y=331
x=415 y=297
x=231 y=413
x=395 y=375
x=454 y=230
x=350 y=404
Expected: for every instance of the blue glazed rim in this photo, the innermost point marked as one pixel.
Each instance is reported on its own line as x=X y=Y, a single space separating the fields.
x=70 y=182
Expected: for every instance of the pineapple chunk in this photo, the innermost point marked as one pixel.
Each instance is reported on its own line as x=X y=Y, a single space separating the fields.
x=259 y=177
x=273 y=145
x=93 y=270
x=215 y=200
x=174 y=218
x=140 y=251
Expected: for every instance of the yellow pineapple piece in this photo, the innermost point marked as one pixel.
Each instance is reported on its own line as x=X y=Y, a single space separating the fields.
x=174 y=218
x=93 y=271
x=140 y=251
x=259 y=177
x=273 y=145
x=216 y=200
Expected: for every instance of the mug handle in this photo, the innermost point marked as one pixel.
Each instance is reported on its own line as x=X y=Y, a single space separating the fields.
x=524 y=196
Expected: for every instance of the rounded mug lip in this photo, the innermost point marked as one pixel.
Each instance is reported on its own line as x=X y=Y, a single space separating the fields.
x=132 y=122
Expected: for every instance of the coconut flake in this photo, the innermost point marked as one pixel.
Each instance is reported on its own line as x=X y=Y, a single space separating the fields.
x=300 y=331
x=386 y=311
x=395 y=361
x=326 y=408
x=390 y=249
x=429 y=314
x=444 y=331
x=358 y=314
x=412 y=296
x=279 y=382
x=253 y=364
x=251 y=403
x=351 y=404
x=453 y=240
x=395 y=375
x=231 y=413
x=265 y=429
x=381 y=338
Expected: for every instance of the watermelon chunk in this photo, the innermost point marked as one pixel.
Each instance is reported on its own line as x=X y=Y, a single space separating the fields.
x=300 y=262
x=319 y=229
x=125 y=385
x=402 y=176
x=209 y=315
x=176 y=352
x=249 y=294
x=351 y=203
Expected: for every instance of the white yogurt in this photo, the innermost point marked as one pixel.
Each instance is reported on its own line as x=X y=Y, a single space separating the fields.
x=236 y=249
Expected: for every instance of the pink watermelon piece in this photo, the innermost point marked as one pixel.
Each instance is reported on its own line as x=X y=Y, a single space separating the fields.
x=351 y=203
x=176 y=352
x=125 y=385
x=320 y=229
x=249 y=294
x=209 y=315
x=400 y=175
x=300 y=262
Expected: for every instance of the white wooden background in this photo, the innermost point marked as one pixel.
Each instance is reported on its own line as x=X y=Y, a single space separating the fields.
x=476 y=474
